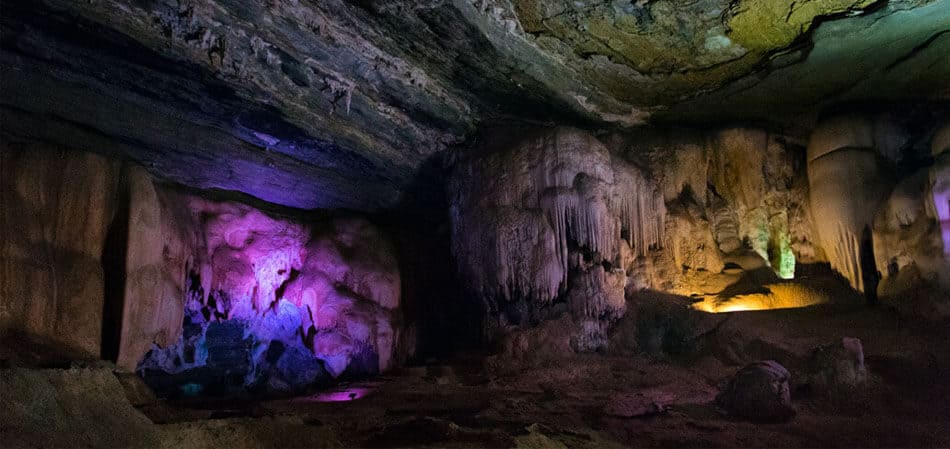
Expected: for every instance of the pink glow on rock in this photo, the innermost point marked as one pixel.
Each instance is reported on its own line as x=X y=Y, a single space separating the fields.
x=335 y=283
x=941 y=198
x=944 y=222
x=345 y=395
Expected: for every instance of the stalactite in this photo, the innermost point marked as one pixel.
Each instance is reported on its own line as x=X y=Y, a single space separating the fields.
x=846 y=187
x=518 y=210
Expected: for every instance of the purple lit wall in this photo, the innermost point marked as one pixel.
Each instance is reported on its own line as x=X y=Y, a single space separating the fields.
x=271 y=304
x=941 y=198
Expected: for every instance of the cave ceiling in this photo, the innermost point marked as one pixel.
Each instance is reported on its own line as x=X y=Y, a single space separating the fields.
x=341 y=104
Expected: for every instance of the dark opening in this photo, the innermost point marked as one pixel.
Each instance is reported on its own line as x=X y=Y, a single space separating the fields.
x=869 y=273
x=113 y=271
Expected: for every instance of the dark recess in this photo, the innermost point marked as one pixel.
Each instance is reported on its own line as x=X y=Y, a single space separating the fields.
x=114 y=254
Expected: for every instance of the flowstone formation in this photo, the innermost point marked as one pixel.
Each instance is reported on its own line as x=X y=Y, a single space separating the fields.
x=269 y=304
x=552 y=220
x=737 y=223
x=876 y=197
x=848 y=180
x=549 y=220
x=911 y=229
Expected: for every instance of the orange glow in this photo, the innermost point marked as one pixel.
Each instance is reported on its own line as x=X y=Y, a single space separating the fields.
x=780 y=296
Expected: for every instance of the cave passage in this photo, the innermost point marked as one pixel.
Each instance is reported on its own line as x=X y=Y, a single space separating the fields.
x=492 y=223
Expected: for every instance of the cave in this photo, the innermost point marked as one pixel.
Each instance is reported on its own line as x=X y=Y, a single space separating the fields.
x=474 y=223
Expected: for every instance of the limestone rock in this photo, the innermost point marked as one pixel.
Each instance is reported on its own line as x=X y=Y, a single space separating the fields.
x=163 y=250
x=846 y=188
x=339 y=104
x=838 y=367
x=531 y=209
x=56 y=210
x=759 y=392
x=730 y=194
x=256 y=291
x=68 y=408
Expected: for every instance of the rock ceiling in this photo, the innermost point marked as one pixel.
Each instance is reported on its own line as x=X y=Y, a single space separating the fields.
x=320 y=104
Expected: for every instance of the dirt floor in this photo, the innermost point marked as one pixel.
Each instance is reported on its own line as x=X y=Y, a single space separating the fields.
x=659 y=395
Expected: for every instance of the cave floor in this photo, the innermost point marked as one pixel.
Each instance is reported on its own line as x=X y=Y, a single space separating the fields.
x=608 y=400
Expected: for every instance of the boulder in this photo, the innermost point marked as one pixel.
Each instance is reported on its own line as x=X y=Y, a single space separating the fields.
x=838 y=367
x=298 y=369
x=759 y=392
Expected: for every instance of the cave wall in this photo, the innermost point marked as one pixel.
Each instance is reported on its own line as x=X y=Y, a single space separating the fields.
x=876 y=183
x=551 y=220
x=911 y=228
x=183 y=269
x=224 y=295
x=555 y=220
x=548 y=220
x=56 y=211
x=734 y=198
x=543 y=222
x=163 y=248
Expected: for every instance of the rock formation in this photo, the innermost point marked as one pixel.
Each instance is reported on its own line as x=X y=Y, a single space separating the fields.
x=162 y=252
x=581 y=211
x=266 y=296
x=911 y=231
x=555 y=215
x=549 y=213
x=848 y=180
x=759 y=392
x=337 y=104
x=734 y=200
x=202 y=281
x=940 y=184
x=56 y=210
x=838 y=368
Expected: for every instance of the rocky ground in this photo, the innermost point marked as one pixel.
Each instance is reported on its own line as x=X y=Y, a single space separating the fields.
x=660 y=394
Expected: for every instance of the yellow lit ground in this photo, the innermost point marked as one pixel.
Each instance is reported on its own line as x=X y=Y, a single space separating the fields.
x=786 y=295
